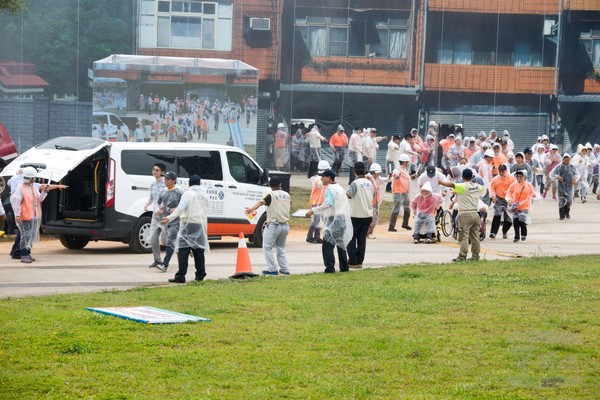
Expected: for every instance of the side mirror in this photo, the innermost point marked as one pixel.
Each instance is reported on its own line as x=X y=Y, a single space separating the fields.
x=264 y=179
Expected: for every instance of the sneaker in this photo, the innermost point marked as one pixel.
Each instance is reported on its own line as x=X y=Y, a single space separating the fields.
x=161 y=267
x=407 y=227
x=428 y=241
x=308 y=240
x=516 y=240
x=544 y=195
x=371 y=237
x=270 y=273
x=354 y=266
x=523 y=238
x=26 y=260
x=317 y=240
x=583 y=200
x=15 y=257
x=568 y=216
x=458 y=259
x=416 y=241
x=504 y=236
x=155 y=264
x=392 y=229
x=284 y=272
x=553 y=197
x=492 y=235
x=173 y=280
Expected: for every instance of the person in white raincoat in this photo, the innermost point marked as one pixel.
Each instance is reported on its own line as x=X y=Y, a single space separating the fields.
x=193 y=233
x=338 y=225
x=582 y=164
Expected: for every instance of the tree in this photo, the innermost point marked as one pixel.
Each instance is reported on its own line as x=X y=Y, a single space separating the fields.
x=12 y=6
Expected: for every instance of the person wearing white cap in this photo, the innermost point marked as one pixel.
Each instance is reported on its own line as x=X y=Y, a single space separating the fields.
x=317 y=194
x=518 y=197
x=379 y=183
x=582 y=163
x=552 y=160
x=400 y=191
x=281 y=137
x=338 y=143
x=424 y=206
x=566 y=176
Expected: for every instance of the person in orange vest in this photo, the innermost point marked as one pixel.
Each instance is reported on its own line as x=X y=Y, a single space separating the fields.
x=317 y=196
x=338 y=143
x=400 y=189
x=26 y=204
x=498 y=190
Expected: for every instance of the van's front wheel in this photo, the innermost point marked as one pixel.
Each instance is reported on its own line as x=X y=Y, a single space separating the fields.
x=74 y=242
x=257 y=237
x=140 y=236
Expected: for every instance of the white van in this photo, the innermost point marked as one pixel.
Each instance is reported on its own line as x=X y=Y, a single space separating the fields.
x=111 y=123
x=109 y=184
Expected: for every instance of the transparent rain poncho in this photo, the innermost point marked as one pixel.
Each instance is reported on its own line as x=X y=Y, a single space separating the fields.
x=30 y=228
x=565 y=188
x=338 y=225
x=193 y=219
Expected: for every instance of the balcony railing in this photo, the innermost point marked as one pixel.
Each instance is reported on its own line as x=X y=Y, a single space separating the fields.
x=489 y=79
x=357 y=71
x=547 y=7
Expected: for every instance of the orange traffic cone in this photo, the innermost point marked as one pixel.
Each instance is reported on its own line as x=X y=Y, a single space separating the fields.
x=243 y=268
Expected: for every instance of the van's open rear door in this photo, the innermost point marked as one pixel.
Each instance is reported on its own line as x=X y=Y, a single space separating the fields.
x=55 y=158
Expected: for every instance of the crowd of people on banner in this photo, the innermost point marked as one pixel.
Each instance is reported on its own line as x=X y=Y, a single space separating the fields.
x=185 y=119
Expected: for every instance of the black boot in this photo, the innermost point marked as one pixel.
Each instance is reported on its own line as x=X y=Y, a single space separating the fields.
x=405 y=218
x=561 y=213
x=393 y=218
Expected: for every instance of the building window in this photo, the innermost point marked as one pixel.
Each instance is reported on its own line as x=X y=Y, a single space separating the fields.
x=338 y=36
x=192 y=24
x=591 y=41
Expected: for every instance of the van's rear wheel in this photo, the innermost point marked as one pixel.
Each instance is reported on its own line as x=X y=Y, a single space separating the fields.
x=140 y=236
x=257 y=240
x=74 y=242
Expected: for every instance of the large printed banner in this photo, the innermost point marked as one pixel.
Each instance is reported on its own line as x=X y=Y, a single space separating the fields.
x=175 y=99
x=148 y=315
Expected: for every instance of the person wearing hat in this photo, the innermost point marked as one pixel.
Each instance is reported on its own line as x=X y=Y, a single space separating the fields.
x=538 y=163
x=338 y=143
x=432 y=176
x=167 y=202
x=498 y=191
x=510 y=143
x=486 y=168
x=379 y=184
x=192 y=212
x=446 y=144
x=314 y=140
x=337 y=232
x=582 y=163
x=552 y=159
x=470 y=147
x=400 y=191
x=492 y=137
x=565 y=175
x=468 y=195
x=280 y=149
x=355 y=151
x=26 y=198
x=520 y=165
x=361 y=194
x=518 y=197
x=276 y=229
x=317 y=194
x=424 y=206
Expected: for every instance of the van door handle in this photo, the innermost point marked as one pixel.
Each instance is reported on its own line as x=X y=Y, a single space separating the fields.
x=218 y=185
x=232 y=187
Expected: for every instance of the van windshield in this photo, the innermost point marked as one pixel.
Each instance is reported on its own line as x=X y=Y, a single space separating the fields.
x=71 y=143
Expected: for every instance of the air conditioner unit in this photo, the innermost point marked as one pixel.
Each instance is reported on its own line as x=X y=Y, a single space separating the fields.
x=549 y=26
x=260 y=24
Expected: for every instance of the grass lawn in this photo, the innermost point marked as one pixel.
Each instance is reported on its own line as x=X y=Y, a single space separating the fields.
x=524 y=329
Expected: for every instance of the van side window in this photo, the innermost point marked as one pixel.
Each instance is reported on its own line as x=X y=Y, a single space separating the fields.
x=242 y=169
x=140 y=162
x=207 y=164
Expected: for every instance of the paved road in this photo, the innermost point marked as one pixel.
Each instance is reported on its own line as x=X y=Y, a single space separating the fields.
x=107 y=265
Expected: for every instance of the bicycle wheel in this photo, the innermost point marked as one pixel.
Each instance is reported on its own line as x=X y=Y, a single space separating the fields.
x=446 y=223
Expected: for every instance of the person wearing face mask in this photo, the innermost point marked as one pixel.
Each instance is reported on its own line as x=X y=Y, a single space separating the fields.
x=26 y=202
